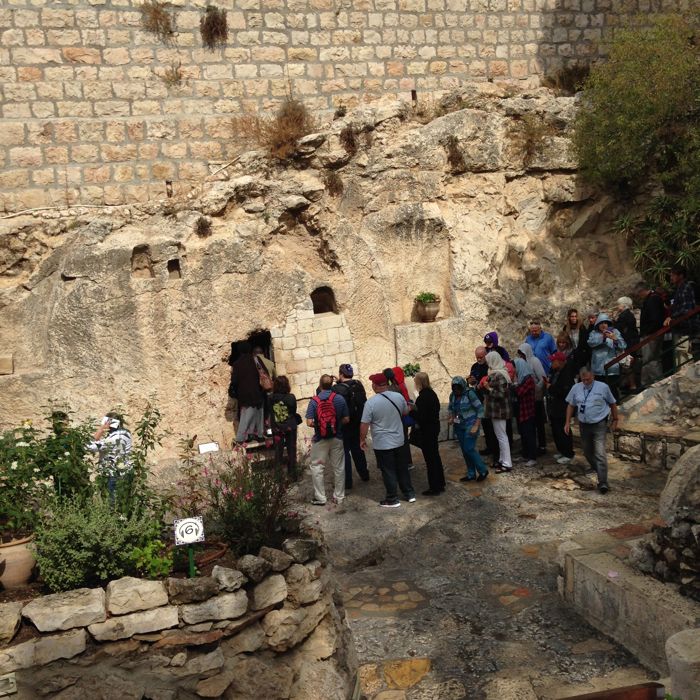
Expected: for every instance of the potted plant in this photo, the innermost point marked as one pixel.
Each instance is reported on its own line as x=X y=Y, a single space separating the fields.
x=410 y=369
x=427 y=306
x=20 y=495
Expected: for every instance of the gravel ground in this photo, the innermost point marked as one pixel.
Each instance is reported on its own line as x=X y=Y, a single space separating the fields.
x=481 y=559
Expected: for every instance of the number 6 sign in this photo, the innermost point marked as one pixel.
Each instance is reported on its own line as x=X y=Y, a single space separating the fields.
x=188 y=530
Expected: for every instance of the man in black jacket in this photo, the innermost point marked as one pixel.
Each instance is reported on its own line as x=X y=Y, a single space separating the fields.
x=651 y=319
x=355 y=396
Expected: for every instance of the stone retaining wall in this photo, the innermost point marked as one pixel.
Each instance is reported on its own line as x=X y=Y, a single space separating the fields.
x=270 y=629
x=89 y=116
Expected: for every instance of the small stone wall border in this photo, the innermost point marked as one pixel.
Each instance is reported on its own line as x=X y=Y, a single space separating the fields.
x=276 y=599
x=654 y=450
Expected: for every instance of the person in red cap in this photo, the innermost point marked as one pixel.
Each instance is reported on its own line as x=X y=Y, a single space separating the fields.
x=561 y=378
x=384 y=413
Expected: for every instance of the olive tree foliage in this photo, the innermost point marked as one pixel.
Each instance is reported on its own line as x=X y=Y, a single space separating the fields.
x=639 y=125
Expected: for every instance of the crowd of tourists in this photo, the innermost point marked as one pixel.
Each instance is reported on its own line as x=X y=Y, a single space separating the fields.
x=547 y=379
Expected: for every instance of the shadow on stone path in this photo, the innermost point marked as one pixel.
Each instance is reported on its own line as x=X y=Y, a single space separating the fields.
x=456 y=596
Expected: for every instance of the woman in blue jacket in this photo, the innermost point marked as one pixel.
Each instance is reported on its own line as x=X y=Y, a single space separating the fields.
x=606 y=343
x=465 y=414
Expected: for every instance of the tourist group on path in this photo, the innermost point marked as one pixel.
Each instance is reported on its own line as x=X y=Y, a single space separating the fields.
x=547 y=379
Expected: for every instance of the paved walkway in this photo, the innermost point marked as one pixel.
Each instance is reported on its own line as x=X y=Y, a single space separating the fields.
x=456 y=596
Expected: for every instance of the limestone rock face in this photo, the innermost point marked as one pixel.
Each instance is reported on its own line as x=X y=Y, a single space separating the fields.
x=43 y=650
x=62 y=611
x=228 y=579
x=125 y=626
x=191 y=590
x=10 y=617
x=680 y=499
x=130 y=594
x=269 y=592
x=223 y=607
x=481 y=205
x=254 y=567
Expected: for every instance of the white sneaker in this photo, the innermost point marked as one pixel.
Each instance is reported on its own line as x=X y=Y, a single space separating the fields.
x=558 y=455
x=564 y=460
x=531 y=463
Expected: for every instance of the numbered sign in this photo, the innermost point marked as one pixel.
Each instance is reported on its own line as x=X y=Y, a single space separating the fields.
x=188 y=530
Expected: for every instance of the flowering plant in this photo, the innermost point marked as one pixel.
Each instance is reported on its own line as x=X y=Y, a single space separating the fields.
x=247 y=500
x=21 y=486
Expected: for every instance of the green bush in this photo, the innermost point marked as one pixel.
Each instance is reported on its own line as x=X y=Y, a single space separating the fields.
x=248 y=502
x=88 y=543
x=639 y=125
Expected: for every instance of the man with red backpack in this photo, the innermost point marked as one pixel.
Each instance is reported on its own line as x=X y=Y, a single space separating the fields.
x=355 y=396
x=326 y=414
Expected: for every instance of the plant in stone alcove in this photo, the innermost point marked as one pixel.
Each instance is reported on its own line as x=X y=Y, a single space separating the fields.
x=202 y=227
x=333 y=183
x=158 y=20
x=213 y=27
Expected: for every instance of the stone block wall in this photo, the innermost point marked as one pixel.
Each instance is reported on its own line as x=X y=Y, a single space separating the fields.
x=89 y=116
x=269 y=628
x=310 y=345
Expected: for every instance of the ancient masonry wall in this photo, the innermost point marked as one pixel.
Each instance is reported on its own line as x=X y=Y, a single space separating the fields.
x=273 y=618
x=88 y=116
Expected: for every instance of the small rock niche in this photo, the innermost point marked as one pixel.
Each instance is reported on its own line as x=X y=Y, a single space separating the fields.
x=142 y=262
x=174 y=271
x=323 y=299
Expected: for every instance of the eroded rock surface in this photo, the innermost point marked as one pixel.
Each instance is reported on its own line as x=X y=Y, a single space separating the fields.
x=481 y=205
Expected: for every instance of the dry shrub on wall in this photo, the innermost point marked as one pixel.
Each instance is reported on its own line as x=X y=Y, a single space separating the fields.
x=157 y=20
x=569 y=79
x=213 y=27
x=333 y=183
x=278 y=134
x=202 y=227
x=348 y=139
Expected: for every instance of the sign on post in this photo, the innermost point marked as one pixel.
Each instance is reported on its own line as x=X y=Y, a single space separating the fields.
x=188 y=531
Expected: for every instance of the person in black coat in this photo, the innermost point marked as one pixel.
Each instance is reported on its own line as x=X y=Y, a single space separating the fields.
x=651 y=319
x=245 y=387
x=561 y=378
x=282 y=406
x=427 y=416
x=626 y=323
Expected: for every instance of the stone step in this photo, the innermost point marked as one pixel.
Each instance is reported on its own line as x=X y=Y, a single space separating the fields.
x=654 y=444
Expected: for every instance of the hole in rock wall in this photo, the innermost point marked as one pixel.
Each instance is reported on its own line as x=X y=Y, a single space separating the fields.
x=174 y=272
x=259 y=338
x=323 y=299
x=141 y=262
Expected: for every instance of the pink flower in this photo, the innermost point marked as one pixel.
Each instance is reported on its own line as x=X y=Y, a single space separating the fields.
x=206 y=472
x=249 y=495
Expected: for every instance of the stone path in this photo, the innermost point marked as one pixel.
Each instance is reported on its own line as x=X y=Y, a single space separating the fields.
x=456 y=596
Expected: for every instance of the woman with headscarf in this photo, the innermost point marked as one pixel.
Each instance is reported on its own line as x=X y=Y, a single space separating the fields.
x=526 y=353
x=525 y=391
x=626 y=323
x=427 y=415
x=491 y=343
x=465 y=412
x=606 y=343
x=497 y=406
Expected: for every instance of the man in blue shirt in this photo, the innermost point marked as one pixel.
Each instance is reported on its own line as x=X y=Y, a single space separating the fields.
x=326 y=414
x=594 y=402
x=383 y=413
x=542 y=344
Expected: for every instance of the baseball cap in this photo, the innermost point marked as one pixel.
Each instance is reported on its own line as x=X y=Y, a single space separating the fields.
x=379 y=379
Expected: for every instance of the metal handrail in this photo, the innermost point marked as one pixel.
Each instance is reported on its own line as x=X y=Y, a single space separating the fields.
x=656 y=334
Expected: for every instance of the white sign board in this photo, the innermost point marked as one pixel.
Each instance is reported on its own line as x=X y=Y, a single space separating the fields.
x=188 y=530
x=208 y=447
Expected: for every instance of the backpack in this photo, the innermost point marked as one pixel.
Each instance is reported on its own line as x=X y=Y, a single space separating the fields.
x=280 y=413
x=326 y=418
x=263 y=376
x=354 y=394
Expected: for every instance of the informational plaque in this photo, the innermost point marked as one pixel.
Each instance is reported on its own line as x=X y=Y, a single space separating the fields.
x=208 y=447
x=188 y=530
